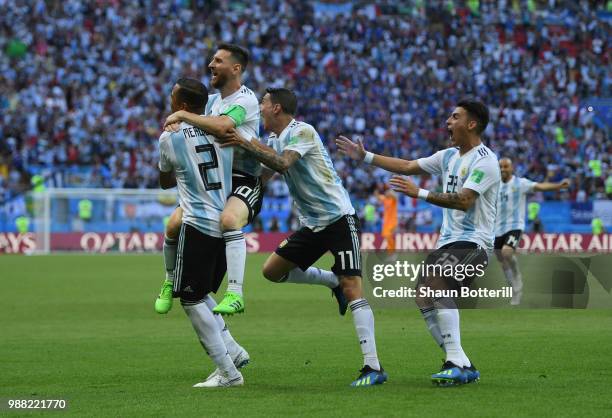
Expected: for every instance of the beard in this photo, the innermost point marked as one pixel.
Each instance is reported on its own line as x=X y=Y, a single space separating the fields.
x=220 y=81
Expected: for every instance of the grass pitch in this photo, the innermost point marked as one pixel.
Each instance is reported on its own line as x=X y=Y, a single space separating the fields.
x=82 y=328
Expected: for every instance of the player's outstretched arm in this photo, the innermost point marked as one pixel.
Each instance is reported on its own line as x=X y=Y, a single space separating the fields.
x=463 y=200
x=218 y=126
x=356 y=151
x=263 y=153
x=547 y=186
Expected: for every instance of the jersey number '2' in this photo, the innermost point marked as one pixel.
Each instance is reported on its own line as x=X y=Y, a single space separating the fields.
x=210 y=165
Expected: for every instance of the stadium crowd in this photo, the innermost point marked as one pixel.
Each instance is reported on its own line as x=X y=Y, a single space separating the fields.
x=84 y=85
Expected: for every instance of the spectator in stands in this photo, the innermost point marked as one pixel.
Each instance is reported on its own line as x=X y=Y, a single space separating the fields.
x=274 y=226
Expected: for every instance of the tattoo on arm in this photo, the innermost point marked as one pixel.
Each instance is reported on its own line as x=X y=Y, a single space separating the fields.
x=460 y=201
x=269 y=157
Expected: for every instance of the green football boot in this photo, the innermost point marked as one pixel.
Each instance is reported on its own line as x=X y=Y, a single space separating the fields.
x=232 y=303
x=163 y=303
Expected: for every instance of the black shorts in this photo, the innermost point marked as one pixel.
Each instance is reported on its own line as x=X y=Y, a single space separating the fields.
x=341 y=238
x=510 y=238
x=250 y=190
x=459 y=253
x=200 y=265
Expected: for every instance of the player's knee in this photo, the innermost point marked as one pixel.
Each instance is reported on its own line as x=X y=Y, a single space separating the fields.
x=435 y=283
x=173 y=228
x=351 y=287
x=422 y=301
x=507 y=253
x=270 y=273
x=229 y=221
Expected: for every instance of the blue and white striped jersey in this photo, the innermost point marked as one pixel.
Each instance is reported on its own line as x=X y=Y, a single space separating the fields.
x=477 y=170
x=203 y=175
x=247 y=126
x=512 y=204
x=313 y=182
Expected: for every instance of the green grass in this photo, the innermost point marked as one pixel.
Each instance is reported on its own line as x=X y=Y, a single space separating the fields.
x=82 y=328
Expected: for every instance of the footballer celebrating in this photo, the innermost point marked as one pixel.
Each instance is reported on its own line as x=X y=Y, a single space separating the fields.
x=471 y=176
x=510 y=221
x=329 y=223
x=200 y=264
x=234 y=107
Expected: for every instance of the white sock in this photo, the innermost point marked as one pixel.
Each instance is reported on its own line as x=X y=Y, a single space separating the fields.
x=235 y=255
x=313 y=275
x=518 y=278
x=448 y=321
x=363 y=318
x=430 y=315
x=207 y=329
x=232 y=346
x=169 y=257
x=509 y=276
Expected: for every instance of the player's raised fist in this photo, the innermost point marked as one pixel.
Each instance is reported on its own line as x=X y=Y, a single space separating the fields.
x=565 y=183
x=354 y=150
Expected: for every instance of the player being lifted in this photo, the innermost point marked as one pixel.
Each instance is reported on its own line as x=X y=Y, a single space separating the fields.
x=191 y=160
x=235 y=106
x=510 y=221
x=471 y=176
x=326 y=213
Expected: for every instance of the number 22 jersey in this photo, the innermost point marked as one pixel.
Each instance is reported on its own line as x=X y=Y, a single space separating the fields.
x=478 y=170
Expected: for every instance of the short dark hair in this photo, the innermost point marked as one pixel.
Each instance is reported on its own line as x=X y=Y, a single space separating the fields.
x=285 y=98
x=192 y=92
x=240 y=54
x=476 y=110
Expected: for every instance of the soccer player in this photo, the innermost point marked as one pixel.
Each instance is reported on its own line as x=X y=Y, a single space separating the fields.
x=235 y=106
x=329 y=223
x=510 y=221
x=191 y=160
x=389 y=224
x=471 y=176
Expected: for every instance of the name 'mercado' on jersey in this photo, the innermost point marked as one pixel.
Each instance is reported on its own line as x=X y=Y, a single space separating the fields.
x=477 y=170
x=203 y=175
x=512 y=204
x=313 y=182
x=243 y=108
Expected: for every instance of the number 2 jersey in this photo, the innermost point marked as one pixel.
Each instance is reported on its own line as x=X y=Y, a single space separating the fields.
x=313 y=182
x=478 y=170
x=203 y=175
